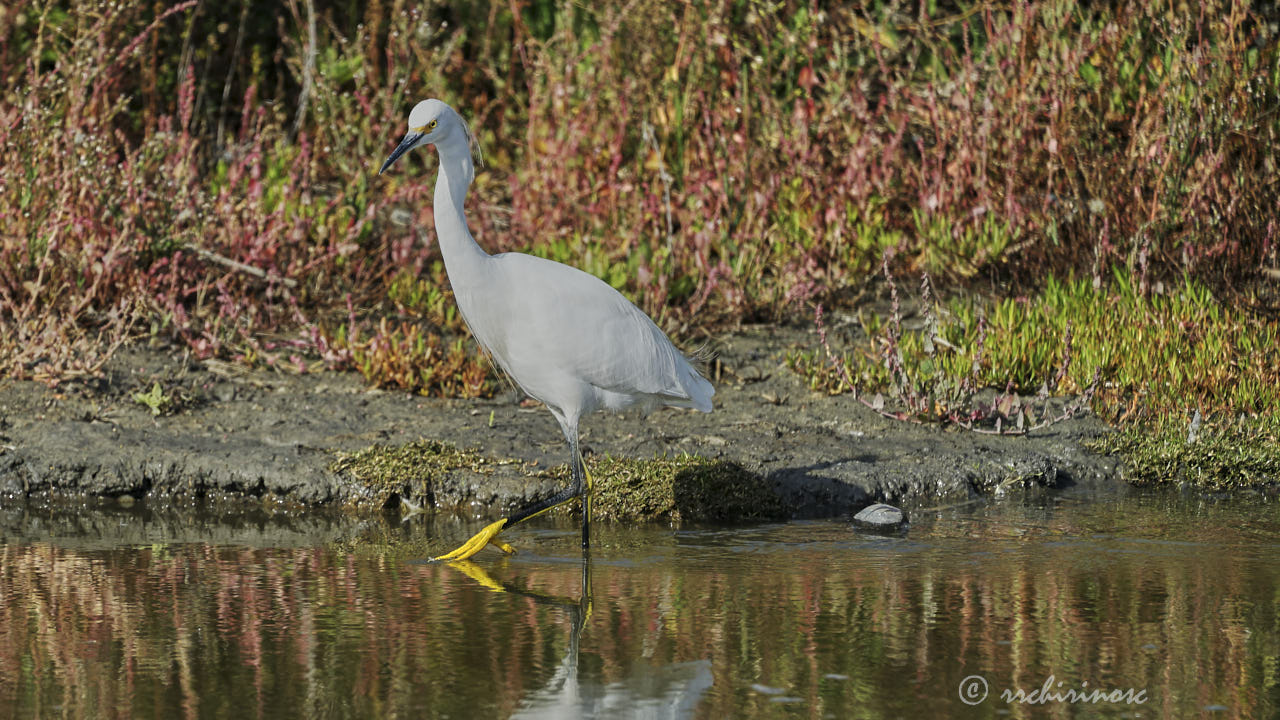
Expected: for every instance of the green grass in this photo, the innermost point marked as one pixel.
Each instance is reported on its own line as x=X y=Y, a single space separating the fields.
x=409 y=470
x=1227 y=454
x=1156 y=354
x=675 y=489
x=1159 y=357
x=681 y=488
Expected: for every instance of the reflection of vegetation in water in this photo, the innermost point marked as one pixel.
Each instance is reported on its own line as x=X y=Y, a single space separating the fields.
x=151 y=631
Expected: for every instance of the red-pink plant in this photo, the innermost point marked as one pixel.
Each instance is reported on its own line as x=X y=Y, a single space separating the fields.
x=718 y=162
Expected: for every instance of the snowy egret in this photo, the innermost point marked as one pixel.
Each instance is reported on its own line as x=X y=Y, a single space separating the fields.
x=564 y=336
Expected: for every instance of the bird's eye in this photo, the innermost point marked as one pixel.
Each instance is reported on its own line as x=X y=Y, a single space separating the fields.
x=431 y=125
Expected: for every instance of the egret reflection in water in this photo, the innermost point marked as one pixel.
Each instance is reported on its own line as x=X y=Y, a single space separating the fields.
x=652 y=692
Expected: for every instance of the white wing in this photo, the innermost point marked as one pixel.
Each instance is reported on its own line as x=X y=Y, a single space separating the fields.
x=557 y=326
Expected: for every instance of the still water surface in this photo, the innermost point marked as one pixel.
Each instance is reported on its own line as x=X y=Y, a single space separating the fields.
x=1174 y=601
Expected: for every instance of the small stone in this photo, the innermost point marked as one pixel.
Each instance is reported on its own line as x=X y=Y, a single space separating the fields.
x=880 y=515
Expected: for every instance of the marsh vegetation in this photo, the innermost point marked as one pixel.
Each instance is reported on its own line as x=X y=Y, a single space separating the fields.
x=1090 y=190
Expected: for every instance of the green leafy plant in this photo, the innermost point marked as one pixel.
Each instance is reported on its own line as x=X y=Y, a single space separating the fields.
x=155 y=399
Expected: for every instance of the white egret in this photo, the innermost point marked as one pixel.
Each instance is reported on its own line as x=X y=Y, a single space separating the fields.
x=564 y=336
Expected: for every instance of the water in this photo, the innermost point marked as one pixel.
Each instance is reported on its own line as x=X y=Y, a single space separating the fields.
x=131 y=614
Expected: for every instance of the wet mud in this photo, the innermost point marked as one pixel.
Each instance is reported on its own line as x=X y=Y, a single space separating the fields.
x=231 y=437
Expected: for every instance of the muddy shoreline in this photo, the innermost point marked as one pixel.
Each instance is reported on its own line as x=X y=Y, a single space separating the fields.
x=267 y=439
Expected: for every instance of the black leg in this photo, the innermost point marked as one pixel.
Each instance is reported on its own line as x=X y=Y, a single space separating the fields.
x=582 y=483
x=542 y=506
x=580 y=489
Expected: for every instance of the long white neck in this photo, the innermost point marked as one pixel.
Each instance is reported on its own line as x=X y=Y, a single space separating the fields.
x=462 y=256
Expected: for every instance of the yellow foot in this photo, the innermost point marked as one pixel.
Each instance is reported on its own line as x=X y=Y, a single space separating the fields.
x=489 y=535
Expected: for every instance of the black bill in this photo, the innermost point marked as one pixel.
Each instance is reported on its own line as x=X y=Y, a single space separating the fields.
x=405 y=145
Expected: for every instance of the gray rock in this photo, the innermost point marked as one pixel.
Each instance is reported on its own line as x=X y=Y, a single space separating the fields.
x=880 y=515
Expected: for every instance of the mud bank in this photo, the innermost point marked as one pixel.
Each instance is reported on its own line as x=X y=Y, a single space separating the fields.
x=270 y=438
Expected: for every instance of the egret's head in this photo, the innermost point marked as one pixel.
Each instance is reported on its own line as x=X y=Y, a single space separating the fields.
x=432 y=122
